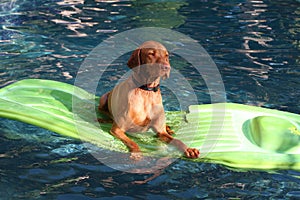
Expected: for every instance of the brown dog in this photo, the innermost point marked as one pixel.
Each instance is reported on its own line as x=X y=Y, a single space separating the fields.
x=135 y=105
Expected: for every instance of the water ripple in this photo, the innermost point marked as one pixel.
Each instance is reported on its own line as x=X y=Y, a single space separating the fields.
x=255 y=44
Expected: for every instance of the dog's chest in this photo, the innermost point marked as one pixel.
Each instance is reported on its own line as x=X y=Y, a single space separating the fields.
x=145 y=108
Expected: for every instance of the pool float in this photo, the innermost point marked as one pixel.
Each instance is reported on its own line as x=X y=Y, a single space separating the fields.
x=237 y=136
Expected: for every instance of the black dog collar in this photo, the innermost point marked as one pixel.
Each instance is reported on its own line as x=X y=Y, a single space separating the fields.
x=145 y=87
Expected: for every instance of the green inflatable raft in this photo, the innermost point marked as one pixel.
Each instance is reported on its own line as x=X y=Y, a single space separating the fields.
x=237 y=136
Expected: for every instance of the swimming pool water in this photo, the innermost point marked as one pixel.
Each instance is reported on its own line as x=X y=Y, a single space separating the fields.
x=254 y=43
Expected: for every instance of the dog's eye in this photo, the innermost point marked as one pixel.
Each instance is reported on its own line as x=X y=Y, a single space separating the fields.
x=152 y=53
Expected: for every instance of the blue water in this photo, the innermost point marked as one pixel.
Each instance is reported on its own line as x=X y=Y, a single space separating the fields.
x=255 y=45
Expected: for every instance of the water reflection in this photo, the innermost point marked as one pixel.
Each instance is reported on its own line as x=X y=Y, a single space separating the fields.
x=254 y=42
x=257 y=40
x=158 y=14
x=295 y=32
x=80 y=17
x=7 y=5
x=70 y=17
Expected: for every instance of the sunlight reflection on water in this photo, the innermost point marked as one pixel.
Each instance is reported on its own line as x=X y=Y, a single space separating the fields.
x=255 y=44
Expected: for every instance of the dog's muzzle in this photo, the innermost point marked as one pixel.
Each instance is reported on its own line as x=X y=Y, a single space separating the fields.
x=165 y=71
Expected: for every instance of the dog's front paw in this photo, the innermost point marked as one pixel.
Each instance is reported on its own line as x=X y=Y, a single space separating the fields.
x=192 y=153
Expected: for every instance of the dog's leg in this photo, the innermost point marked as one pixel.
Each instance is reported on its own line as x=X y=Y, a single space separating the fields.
x=161 y=129
x=103 y=108
x=103 y=102
x=133 y=147
x=188 y=152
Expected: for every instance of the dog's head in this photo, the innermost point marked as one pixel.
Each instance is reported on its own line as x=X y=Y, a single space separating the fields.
x=151 y=60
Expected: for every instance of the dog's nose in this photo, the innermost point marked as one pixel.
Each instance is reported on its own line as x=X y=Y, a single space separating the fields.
x=166 y=67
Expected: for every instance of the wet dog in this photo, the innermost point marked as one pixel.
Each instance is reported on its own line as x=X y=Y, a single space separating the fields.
x=135 y=105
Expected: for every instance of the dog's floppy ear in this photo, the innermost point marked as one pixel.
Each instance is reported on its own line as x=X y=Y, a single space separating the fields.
x=135 y=59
